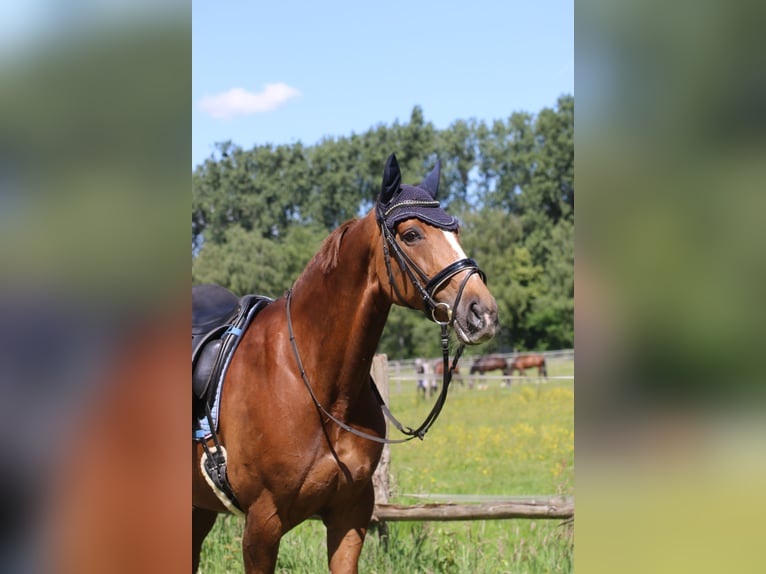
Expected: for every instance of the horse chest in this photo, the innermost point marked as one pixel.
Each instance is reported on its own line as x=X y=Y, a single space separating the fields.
x=345 y=465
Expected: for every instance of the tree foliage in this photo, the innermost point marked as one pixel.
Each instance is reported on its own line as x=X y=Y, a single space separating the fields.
x=258 y=215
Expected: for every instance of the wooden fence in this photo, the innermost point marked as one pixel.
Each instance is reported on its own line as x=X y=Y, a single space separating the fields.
x=545 y=507
x=523 y=507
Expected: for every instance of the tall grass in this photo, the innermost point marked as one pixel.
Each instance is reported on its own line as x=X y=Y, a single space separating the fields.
x=499 y=441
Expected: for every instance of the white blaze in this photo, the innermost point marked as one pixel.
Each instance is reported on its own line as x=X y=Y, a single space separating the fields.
x=452 y=240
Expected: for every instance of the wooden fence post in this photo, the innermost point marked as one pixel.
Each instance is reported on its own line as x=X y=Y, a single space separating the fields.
x=381 y=480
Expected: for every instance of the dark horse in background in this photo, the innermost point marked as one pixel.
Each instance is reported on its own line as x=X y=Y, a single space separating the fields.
x=288 y=460
x=490 y=363
x=524 y=362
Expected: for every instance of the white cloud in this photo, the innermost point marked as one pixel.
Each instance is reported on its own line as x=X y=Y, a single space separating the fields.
x=240 y=102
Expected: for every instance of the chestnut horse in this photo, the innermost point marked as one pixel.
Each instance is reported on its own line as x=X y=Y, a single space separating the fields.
x=439 y=370
x=302 y=369
x=524 y=362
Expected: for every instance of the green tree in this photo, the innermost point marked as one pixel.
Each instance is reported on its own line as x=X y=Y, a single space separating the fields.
x=247 y=262
x=552 y=315
x=334 y=193
x=458 y=151
x=258 y=215
x=492 y=237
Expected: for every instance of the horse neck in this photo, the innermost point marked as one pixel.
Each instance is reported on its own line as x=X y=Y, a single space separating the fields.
x=339 y=312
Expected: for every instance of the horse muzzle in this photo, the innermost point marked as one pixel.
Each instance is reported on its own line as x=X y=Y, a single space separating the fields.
x=476 y=319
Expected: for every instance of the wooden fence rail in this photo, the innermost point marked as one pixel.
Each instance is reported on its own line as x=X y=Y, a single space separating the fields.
x=551 y=507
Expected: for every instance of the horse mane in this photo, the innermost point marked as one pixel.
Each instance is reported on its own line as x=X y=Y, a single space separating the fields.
x=327 y=256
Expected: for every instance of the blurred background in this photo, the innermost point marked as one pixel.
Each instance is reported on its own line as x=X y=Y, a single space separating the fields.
x=94 y=210
x=669 y=268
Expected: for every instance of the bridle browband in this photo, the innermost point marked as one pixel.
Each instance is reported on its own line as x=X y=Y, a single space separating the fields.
x=430 y=308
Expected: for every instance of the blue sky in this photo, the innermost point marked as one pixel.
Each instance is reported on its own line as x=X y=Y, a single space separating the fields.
x=288 y=71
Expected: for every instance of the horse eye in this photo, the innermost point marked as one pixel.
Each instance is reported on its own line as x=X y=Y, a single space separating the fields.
x=410 y=236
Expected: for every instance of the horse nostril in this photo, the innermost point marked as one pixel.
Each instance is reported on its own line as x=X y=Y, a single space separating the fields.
x=476 y=318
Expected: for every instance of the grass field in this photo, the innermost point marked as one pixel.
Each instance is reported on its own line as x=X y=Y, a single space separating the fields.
x=498 y=441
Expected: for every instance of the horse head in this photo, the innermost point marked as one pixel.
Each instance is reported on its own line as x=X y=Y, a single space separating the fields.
x=431 y=271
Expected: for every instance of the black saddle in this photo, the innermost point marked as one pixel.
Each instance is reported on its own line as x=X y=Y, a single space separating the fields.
x=219 y=318
x=211 y=306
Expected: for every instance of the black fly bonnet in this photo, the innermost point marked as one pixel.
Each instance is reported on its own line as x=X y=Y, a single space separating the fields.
x=398 y=203
x=408 y=201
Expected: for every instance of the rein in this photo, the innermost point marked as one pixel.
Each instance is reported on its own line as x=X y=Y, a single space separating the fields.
x=319 y=406
x=431 y=307
x=411 y=433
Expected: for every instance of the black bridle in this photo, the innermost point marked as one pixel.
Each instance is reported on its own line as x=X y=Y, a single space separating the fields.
x=431 y=307
x=416 y=274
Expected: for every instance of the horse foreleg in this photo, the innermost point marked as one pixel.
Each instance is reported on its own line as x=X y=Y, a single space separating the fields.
x=346 y=529
x=202 y=522
x=260 y=542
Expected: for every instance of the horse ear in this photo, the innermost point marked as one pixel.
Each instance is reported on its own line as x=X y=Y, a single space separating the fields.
x=431 y=181
x=392 y=177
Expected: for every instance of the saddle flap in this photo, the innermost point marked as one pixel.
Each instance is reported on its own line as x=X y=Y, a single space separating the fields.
x=202 y=371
